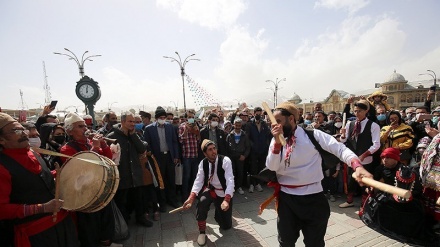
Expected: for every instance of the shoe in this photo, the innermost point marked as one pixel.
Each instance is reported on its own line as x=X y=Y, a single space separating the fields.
x=332 y=198
x=201 y=239
x=258 y=188
x=156 y=216
x=144 y=222
x=346 y=205
x=251 y=189
x=240 y=191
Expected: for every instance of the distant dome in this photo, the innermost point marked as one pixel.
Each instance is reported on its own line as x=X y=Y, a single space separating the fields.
x=395 y=78
x=295 y=99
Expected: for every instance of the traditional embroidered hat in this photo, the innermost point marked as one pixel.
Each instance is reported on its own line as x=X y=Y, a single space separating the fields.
x=72 y=118
x=377 y=93
x=205 y=144
x=290 y=107
x=392 y=153
x=159 y=112
x=5 y=119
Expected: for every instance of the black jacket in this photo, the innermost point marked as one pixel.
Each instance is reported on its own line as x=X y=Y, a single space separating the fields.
x=130 y=170
x=221 y=139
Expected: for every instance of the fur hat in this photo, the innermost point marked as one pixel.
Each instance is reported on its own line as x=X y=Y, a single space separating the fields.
x=72 y=118
x=205 y=144
x=5 y=119
x=159 y=112
x=290 y=107
x=392 y=153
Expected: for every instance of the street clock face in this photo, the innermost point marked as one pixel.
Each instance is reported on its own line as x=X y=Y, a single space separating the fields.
x=86 y=91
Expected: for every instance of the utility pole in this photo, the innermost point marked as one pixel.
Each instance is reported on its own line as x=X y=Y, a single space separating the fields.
x=47 y=96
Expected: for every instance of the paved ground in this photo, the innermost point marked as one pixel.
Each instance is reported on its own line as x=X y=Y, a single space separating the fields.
x=249 y=229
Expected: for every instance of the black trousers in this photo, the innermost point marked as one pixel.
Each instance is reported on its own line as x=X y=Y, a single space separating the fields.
x=167 y=169
x=95 y=227
x=134 y=196
x=258 y=162
x=223 y=218
x=238 y=170
x=306 y=213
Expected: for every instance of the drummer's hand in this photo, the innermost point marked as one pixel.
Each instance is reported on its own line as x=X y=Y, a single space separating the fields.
x=97 y=140
x=276 y=130
x=360 y=173
x=225 y=205
x=53 y=205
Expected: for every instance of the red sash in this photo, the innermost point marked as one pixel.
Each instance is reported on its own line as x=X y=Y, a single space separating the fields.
x=24 y=231
x=276 y=192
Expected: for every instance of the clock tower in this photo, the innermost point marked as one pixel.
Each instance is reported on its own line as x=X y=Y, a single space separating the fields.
x=88 y=91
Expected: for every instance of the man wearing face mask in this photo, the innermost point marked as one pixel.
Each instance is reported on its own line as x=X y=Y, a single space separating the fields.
x=189 y=138
x=381 y=115
x=259 y=137
x=163 y=141
x=34 y=136
x=213 y=132
x=308 y=119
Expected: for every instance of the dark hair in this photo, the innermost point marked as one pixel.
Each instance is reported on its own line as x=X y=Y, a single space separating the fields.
x=207 y=145
x=170 y=114
x=212 y=115
x=422 y=107
x=284 y=112
x=393 y=112
x=361 y=105
x=29 y=126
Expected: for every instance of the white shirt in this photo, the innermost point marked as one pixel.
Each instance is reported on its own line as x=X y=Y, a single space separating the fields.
x=375 y=138
x=305 y=162
x=229 y=176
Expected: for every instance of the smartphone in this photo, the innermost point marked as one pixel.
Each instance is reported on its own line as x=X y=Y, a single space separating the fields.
x=425 y=117
x=432 y=88
x=53 y=103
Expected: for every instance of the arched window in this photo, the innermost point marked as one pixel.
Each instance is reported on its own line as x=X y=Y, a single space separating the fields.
x=403 y=98
x=409 y=98
x=417 y=98
x=390 y=100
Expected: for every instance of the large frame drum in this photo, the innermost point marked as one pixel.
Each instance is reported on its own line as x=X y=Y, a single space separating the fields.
x=85 y=186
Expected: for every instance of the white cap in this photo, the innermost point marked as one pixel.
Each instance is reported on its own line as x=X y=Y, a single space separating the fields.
x=72 y=118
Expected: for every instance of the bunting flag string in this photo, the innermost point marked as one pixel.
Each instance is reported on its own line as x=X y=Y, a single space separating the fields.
x=199 y=94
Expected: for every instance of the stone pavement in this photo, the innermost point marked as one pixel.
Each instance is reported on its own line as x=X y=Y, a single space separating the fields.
x=249 y=229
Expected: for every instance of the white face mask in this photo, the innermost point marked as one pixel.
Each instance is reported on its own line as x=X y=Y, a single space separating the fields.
x=161 y=121
x=35 y=142
x=214 y=124
x=338 y=124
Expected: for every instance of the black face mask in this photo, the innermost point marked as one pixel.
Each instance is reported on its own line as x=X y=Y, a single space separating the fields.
x=59 y=139
x=257 y=117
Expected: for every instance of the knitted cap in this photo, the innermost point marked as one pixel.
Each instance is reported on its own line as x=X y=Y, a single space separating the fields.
x=72 y=118
x=159 y=112
x=392 y=153
x=205 y=144
x=5 y=119
x=290 y=107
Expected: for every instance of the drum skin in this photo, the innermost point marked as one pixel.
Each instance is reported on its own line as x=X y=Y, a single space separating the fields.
x=88 y=187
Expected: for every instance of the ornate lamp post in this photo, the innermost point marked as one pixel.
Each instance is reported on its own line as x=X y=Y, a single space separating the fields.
x=182 y=71
x=276 y=83
x=87 y=89
x=110 y=105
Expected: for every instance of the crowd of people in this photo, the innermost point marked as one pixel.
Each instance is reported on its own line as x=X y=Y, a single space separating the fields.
x=164 y=162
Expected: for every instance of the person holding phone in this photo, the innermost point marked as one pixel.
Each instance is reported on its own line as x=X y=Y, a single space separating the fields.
x=419 y=124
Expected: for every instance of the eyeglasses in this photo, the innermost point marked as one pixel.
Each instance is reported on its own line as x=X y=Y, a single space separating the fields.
x=20 y=131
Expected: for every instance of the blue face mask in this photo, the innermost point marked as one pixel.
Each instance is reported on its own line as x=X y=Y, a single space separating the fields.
x=381 y=117
x=191 y=120
x=139 y=126
x=307 y=122
x=435 y=120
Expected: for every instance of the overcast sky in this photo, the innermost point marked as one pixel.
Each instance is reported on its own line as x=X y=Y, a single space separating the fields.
x=316 y=45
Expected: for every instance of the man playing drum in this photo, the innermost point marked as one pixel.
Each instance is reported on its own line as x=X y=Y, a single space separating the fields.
x=97 y=228
x=27 y=194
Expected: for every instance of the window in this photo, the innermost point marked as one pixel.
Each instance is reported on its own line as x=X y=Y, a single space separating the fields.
x=390 y=100
x=417 y=98
x=403 y=98
x=409 y=98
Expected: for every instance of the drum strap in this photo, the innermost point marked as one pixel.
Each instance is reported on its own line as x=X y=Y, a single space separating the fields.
x=75 y=146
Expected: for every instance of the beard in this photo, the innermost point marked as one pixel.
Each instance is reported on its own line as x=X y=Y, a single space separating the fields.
x=287 y=130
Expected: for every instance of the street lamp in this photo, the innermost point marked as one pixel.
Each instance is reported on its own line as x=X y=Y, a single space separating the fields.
x=75 y=58
x=275 y=83
x=176 y=105
x=182 y=71
x=434 y=77
x=273 y=90
x=110 y=105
